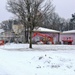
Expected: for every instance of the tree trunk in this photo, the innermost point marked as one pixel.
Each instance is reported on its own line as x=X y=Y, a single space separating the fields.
x=30 y=45
x=27 y=36
x=24 y=34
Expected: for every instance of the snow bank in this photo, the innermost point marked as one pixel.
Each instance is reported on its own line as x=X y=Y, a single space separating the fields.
x=13 y=46
x=25 y=47
x=37 y=63
x=41 y=60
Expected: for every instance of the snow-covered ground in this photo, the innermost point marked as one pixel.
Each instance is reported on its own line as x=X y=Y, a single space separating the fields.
x=18 y=59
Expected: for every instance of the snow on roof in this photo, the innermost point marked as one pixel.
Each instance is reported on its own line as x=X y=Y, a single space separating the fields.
x=1 y=30
x=41 y=29
x=69 y=31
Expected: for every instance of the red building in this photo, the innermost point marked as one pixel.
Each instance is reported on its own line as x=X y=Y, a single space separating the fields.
x=45 y=35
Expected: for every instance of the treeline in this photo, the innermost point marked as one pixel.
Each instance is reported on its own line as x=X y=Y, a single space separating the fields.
x=55 y=23
x=33 y=13
x=46 y=16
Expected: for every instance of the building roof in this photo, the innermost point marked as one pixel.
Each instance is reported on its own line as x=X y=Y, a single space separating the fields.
x=69 y=31
x=41 y=29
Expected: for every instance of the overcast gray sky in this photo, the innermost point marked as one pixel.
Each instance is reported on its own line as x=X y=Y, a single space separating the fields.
x=4 y=14
x=63 y=7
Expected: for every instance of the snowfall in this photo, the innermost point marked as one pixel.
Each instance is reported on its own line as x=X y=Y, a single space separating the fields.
x=19 y=59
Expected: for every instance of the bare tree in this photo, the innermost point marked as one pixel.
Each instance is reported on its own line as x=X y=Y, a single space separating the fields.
x=30 y=13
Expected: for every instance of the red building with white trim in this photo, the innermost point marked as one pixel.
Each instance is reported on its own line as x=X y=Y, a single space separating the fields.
x=45 y=35
x=68 y=37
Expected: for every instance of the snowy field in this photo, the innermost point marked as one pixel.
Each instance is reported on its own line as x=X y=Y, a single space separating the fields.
x=18 y=59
